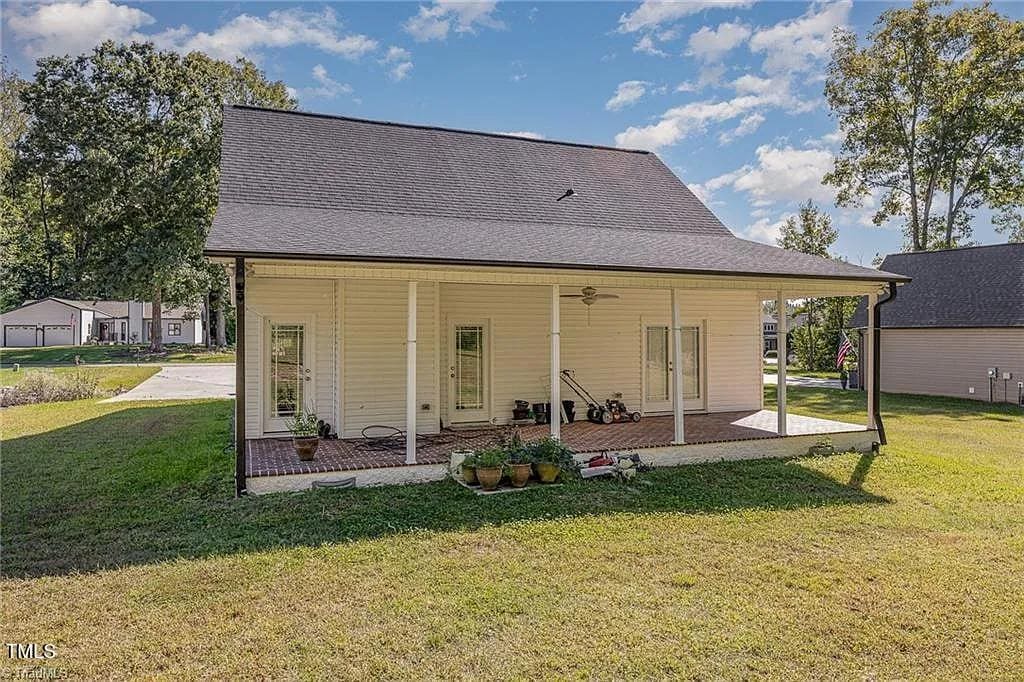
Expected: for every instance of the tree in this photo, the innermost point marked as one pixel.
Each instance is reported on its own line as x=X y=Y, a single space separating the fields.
x=811 y=231
x=932 y=108
x=127 y=138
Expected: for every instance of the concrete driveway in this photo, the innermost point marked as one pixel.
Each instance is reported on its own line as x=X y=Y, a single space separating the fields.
x=808 y=382
x=189 y=382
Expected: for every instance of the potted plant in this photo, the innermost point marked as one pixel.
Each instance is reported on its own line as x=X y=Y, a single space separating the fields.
x=305 y=431
x=490 y=467
x=468 y=468
x=520 y=466
x=551 y=458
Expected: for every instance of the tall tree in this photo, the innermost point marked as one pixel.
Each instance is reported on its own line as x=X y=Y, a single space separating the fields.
x=128 y=138
x=932 y=116
x=811 y=231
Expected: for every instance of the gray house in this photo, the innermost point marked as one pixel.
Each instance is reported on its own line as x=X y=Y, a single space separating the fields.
x=958 y=328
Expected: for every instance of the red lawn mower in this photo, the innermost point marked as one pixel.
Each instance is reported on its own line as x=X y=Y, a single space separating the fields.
x=611 y=412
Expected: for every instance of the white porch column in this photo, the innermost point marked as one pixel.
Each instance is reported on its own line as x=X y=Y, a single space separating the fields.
x=782 y=353
x=677 y=368
x=556 y=363
x=869 y=359
x=410 y=378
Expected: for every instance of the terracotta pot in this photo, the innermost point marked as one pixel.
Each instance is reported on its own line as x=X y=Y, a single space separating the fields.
x=489 y=477
x=520 y=474
x=306 y=446
x=469 y=474
x=548 y=472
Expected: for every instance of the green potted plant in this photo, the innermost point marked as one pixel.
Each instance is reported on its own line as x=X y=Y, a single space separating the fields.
x=520 y=466
x=551 y=458
x=305 y=431
x=490 y=467
x=468 y=468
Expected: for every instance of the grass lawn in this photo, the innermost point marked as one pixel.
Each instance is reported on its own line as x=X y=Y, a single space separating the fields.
x=110 y=378
x=59 y=355
x=796 y=371
x=124 y=548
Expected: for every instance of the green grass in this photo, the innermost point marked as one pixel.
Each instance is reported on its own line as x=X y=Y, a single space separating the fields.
x=796 y=371
x=115 y=378
x=124 y=547
x=59 y=355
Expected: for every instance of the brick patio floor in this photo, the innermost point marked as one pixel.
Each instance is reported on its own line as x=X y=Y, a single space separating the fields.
x=275 y=456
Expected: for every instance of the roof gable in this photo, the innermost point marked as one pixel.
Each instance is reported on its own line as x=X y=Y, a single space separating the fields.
x=981 y=286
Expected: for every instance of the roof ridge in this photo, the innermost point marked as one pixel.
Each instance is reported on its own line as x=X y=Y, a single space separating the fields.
x=420 y=126
x=958 y=248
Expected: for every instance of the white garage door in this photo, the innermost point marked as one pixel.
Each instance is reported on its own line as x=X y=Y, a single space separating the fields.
x=58 y=335
x=19 y=336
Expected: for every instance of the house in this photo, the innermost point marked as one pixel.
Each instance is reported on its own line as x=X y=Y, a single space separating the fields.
x=958 y=328
x=56 y=321
x=769 y=332
x=402 y=279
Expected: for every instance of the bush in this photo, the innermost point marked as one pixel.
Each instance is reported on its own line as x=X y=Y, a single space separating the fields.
x=46 y=387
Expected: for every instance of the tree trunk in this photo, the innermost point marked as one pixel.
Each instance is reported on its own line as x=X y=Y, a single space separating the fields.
x=222 y=326
x=156 y=331
x=207 y=324
x=951 y=211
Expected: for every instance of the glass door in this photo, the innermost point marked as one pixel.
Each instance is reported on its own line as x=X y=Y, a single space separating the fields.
x=289 y=376
x=469 y=373
x=658 y=369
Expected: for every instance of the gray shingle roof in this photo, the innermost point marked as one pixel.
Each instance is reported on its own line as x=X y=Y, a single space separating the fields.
x=329 y=187
x=981 y=286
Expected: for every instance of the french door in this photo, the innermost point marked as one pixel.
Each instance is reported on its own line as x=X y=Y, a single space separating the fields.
x=288 y=359
x=469 y=372
x=658 y=368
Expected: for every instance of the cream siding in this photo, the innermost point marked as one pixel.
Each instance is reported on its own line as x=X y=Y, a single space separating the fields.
x=362 y=324
x=951 y=361
x=285 y=298
x=373 y=366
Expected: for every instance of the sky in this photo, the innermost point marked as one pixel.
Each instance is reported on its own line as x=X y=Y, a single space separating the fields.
x=727 y=92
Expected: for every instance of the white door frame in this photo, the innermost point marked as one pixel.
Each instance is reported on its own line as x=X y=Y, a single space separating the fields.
x=690 y=404
x=277 y=425
x=485 y=414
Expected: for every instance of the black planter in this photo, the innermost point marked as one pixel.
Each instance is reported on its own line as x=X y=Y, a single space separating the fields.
x=569 y=406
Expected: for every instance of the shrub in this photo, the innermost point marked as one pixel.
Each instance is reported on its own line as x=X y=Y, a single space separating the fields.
x=47 y=387
x=490 y=458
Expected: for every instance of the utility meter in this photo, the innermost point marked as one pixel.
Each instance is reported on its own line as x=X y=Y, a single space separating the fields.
x=993 y=372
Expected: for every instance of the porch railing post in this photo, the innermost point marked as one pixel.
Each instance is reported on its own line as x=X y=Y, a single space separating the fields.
x=679 y=436
x=869 y=358
x=782 y=355
x=410 y=378
x=239 y=376
x=555 y=415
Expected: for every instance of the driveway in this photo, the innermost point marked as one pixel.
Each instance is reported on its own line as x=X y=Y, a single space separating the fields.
x=807 y=382
x=176 y=382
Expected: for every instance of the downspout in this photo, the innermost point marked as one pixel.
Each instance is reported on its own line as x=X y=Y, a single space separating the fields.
x=876 y=362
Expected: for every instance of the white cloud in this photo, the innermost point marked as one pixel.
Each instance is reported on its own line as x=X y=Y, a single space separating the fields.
x=651 y=14
x=711 y=44
x=399 y=62
x=245 y=35
x=528 y=134
x=753 y=85
x=326 y=87
x=765 y=230
x=797 y=45
x=434 y=22
x=748 y=125
x=626 y=94
x=782 y=174
x=72 y=27
x=646 y=45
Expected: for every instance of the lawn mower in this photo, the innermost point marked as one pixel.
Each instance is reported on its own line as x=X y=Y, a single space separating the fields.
x=611 y=412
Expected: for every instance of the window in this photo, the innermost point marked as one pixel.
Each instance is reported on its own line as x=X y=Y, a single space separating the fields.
x=174 y=329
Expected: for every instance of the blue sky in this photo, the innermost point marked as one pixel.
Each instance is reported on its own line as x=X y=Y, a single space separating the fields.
x=728 y=92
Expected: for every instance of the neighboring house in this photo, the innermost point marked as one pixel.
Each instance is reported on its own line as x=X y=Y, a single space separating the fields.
x=63 y=322
x=962 y=316
x=421 y=278
x=769 y=332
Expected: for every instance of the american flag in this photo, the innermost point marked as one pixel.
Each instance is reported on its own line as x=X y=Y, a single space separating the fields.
x=845 y=347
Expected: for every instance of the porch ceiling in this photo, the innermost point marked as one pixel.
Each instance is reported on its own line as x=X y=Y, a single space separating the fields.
x=275 y=456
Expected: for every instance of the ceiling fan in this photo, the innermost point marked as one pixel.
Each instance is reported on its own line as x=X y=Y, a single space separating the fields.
x=590 y=296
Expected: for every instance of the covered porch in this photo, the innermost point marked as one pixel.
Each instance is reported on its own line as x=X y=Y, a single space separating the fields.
x=272 y=465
